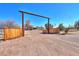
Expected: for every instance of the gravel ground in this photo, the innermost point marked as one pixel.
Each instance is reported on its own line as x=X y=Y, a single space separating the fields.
x=36 y=44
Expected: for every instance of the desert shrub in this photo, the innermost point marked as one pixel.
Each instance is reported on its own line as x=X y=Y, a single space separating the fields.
x=39 y=27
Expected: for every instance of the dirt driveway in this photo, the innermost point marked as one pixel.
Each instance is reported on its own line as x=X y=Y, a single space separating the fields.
x=36 y=44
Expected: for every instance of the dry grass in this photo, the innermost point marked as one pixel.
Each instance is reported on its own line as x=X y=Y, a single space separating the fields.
x=36 y=44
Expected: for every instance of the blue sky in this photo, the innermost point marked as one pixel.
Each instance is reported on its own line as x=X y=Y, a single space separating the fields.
x=58 y=12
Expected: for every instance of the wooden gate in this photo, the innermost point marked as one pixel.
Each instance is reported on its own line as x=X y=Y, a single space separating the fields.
x=11 y=33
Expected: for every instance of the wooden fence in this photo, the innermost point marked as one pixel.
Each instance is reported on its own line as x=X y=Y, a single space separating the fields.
x=52 y=31
x=10 y=33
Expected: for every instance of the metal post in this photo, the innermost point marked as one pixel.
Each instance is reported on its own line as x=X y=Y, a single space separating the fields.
x=48 y=26
x=23 y=23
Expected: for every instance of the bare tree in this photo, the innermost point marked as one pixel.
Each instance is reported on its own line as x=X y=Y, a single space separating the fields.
x=28 y=26
x=2 y=24
x=8 y=24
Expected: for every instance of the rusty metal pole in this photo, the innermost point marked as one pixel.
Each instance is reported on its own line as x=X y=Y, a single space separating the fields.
x=48 y=26
x=23 y=23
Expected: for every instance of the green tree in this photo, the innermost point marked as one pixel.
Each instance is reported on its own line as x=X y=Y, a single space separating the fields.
x=76 y=25
x=71 y=26
x=50 y=26
x=61 y=27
